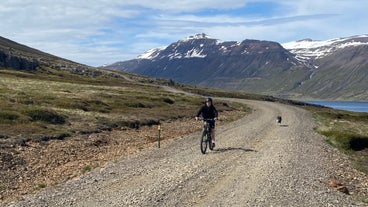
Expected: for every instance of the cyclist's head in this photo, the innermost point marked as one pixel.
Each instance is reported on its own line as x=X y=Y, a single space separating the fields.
x=208 y=101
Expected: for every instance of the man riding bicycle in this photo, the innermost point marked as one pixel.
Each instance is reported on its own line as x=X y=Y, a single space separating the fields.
x=208 y=111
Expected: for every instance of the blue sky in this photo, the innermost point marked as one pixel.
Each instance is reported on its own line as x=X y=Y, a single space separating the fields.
x=107 y=31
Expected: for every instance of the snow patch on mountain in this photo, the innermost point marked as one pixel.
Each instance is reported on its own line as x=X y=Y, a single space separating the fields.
x=307 y=48
x=152 y=53
x=198 y=36
x=195 y=53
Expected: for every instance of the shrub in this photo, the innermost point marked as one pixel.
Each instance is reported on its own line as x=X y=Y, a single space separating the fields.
x=42 y=185
x=45 y=115
x=169 y=101
x=138 y=105
x=6 y=116
x=87 y=168
x=359 y=143
x=346 y=141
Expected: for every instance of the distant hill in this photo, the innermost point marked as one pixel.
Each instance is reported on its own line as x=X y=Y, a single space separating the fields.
x=11 y=49
x=21 y=57
x=11 y=57
x=305 y=69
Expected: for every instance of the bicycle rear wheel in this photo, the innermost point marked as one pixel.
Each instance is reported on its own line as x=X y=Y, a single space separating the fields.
x=204 y=143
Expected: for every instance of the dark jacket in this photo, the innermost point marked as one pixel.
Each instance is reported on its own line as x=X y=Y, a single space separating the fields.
x=208 y=112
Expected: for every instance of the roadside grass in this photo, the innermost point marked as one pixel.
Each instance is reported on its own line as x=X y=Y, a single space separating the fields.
x=347 y=131
x=88 y=168
x=40 y=186
x=54 y=104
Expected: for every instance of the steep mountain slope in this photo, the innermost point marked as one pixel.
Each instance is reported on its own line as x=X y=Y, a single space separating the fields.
x=305 y=69
x=342 y=75
x=341 y=67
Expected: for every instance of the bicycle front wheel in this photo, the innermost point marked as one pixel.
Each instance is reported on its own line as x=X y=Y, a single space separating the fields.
x=209 y=140
x=204 y=143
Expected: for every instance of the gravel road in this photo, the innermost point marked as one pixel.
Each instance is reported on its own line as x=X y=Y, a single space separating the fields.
x=256 y=162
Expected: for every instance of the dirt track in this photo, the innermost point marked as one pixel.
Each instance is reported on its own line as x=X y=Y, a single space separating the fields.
x=256 y=163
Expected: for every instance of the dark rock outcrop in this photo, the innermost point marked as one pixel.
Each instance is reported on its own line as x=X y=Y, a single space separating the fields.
x=9 y=61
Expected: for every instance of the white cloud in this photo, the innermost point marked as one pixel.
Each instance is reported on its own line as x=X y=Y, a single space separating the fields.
x=177 y=6
x=106 y=31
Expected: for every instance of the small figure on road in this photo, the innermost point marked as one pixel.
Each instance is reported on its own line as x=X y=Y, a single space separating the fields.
x=208 y=111
x=279 y=119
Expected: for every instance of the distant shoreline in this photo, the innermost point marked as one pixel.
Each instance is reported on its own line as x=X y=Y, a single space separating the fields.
x=355 y=106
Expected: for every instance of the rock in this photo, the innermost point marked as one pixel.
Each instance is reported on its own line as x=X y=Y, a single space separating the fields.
x=343 y=189
x=337 y=185
x=18 y=63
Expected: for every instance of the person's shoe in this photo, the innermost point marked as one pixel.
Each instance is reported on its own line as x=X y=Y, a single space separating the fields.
x=213 y=145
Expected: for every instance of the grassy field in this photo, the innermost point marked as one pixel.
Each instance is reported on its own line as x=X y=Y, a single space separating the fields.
x=347 y=131
x=55 y=104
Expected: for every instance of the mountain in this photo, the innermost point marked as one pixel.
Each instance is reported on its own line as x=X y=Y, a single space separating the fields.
x=309 y=49
x=305 y=69
x=340 y=67
x=250 y=65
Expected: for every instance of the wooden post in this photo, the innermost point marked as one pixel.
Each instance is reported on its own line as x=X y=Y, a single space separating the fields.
x=159 y=133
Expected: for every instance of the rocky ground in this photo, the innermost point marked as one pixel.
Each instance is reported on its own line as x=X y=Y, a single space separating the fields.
x=256 y=163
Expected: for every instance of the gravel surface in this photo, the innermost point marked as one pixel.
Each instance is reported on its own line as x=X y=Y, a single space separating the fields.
x=256 y=162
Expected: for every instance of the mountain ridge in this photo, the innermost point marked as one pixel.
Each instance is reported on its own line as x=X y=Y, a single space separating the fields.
x=287 y=70
x=317 y=49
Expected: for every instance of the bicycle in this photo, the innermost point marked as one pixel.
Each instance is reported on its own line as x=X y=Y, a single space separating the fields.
x=206 y=138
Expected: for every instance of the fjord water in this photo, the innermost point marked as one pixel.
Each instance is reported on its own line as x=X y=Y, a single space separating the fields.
x=344 y=105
